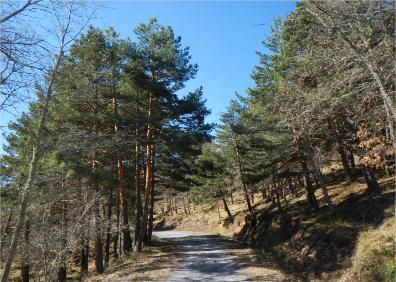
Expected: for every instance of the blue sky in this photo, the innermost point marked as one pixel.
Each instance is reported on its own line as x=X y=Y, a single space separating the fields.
x=223 y=37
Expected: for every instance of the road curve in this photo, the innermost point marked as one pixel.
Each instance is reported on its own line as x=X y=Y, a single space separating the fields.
x=204 y=257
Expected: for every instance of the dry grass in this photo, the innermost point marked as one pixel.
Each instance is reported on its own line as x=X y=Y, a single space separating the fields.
x=151 y=265
x=374 y=258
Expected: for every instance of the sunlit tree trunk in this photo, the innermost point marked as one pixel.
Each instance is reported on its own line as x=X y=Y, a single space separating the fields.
x=149 y=173
x=226 y=208
x=124 y=225
x=137 y=187
x=151 y=213
x=96 y=190
x=241 y=172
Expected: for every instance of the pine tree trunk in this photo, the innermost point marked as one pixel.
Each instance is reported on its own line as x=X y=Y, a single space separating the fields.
x=117 y=233
x=84 y=232
x=124 y=228
x=98 y=222
x=170 y=203
x=108 y=230
x=351 y=159
x=225 y=203
x=284 y=195
x=275 y=190
x=344 y=157
x=151 y=215
x=149 y=175
x=290 y=183
x=138 y=202
x=175 y=204
x=264 y=194
x=226 y=208
x=371 y=180
x=311 y=198
x=277 y=197
x=63 y=257
x=273 y=197
x=25 y=268
x=345 y=164
x=96 y=192
x=318 y=174
x=241 y=174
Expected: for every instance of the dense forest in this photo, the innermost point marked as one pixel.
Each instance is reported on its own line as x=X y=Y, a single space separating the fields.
x=109 y=140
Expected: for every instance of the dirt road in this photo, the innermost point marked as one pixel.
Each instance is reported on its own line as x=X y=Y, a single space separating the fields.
x=203 y=257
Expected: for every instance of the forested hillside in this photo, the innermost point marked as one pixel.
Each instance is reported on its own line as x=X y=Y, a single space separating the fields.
x=110 y=148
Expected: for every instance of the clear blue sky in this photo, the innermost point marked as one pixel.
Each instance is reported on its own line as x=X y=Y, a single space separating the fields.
x=223 y=37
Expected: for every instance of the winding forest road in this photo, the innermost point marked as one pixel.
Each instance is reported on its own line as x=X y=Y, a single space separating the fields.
x=203 y=257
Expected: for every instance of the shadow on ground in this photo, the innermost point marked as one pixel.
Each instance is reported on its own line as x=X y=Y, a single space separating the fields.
x=202 y=257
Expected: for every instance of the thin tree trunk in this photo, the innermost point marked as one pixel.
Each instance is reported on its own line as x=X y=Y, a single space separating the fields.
x=25 y=268
x=276 y=191
x=371 y=180
x=226 y=208
x=170 y=203
x=84 y=232
x=108 y=231
x=351 y=159
x=264 y=193
x=98 y=231
x=117 y=233
x=311 y=198
x=138 y=199
x=343 y=155
x=225 y=203
x=284 y=195
x=151 y=215
x=241 y=173
x=273 y=197
x=95 y=187
x=345 y=164
x=175 y=204
x=290 y=183
x=63 y=261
